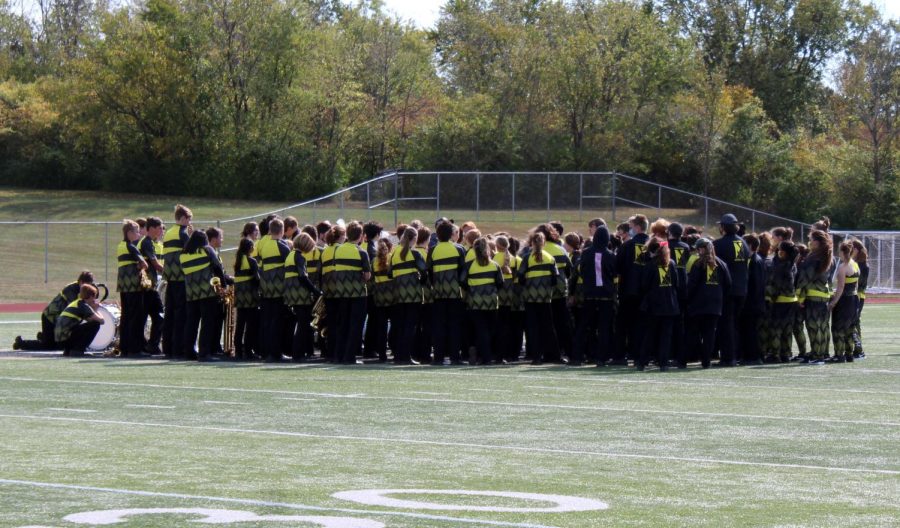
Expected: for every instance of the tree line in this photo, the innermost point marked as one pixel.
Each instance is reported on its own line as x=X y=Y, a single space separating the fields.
x=786 y=105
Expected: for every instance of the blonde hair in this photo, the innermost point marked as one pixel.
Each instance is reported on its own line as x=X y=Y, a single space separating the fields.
x=304 y=243
x=410 y=234
x=536 y=242
x=502 y=244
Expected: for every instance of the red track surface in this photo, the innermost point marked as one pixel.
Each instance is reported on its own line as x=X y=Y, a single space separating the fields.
x=22 y=307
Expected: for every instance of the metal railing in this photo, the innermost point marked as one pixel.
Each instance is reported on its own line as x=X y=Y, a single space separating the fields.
x=512 y=201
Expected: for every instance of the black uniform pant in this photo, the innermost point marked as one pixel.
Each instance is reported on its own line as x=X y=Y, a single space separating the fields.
x=539 y=331
x=727 y=335
x=422 y=352
x=351 y=317
x=782 y=324
x=80 y=338
x=377 y=330
x=201 y=315
x=562 y=325
x=484 y=323
x=246 y=332
x=749 y=339
x=701 y=337
x=329 y=348
x=446 y=315
x=405 y=321
x=302 y=343
x=504 y=334
x=843 y=317
x=817 y=320
x=271 y=328
x=857 y=328
x=628 y=329
x=597 y=318
x=45 y=341
x=657 y=339
x=173 y=323
x=131 y=323
x=153 y=308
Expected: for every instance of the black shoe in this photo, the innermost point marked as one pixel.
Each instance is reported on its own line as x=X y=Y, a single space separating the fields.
x=457 y=362
x=640 y=368
x=17 y=344
x=537 y=362
x=849 y=358
x=771 y=359
x=682 y=366
x=618 y=363
x=704 y=365
x=663 y=368
x=802 y=358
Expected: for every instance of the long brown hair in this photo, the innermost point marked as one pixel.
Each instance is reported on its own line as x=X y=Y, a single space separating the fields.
x=407 y=241
x=536 y=242
x=707 y=259
x=383 y=252
x=659 y=251
x=503 y=247
x=765 y=244
x=862 y=256
x=823 y=251
x=482 y=251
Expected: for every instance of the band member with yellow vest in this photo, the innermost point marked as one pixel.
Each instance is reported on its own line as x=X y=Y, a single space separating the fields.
x=422 y=347
x=246 y=301
x=300 y=295
x=78 y=323
x=335 y=236
x=630 y=264
x=351 y=272
x=562 y=320
x=483 y=280
x=507 y=347
x=131 y=293
x=277 y=323
x=173 y=242
x=538 y=274
x=844 y=305
x=814 y=292
x=45 y=339
x=382 y=298
x=708 y=283
x=781 y=296
x=446 y=261
x=200 y=264
x=371 y=233
x=732 y=249
x=861 y=257
x=659 y=304
x=151 y=248
x=407 y=269
x=597 y=273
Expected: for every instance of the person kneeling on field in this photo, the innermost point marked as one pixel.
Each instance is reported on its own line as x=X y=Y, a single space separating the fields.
x=78 y=323
x=51 y=313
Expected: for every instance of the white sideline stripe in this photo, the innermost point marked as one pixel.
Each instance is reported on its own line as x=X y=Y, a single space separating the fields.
x=458 y=444
x=429 y=393
x=217 y=402
x=489 y=390
x=139 y=406
x=19 y=322
x=477 y=402
x=253 y=502
x=297 y=399
x=70 y=410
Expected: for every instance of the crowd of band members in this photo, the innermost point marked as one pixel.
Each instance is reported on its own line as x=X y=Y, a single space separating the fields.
x=649 y=294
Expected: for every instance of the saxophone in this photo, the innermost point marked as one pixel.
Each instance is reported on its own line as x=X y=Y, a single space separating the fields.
x=319 y=314
x=226 y=295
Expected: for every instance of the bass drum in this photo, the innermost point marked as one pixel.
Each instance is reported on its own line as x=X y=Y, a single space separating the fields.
x=109 y=330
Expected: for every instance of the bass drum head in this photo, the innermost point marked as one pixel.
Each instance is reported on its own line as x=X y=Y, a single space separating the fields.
x=109 y=330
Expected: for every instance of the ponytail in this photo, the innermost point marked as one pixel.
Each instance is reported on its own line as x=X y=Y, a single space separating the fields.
x=482 y=251
x=537 y=246
x=503 y=246
x=409 y=238
x=245 y=247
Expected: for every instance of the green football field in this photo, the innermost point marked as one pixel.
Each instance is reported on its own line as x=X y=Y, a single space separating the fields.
x=149 y=443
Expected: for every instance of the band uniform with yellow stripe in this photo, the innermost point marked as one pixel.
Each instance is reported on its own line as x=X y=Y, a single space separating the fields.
x=538 y=278
x=405 y=275
x=172 y=244
x=347 y=268
x=197 y=274
x=483 y=284
x=128 y=279
x=246 y=285
x=445 y=268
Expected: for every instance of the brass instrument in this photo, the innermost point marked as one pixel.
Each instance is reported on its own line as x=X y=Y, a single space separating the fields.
x=146 y=283
x=318 y=320
x=226 y=295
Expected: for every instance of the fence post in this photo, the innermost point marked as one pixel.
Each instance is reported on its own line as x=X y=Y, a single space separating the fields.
x=705 y=212
x=342 y=205
x=753 y=221
x=614 y=197
x=802 y=234
x=438 y=194
x=581 y=197
x=106 y=246
x=477 y=196
x=314 y=212
x=368 y=202
x=893 y=261
x=514 y=196
x=548 y=196
x=658 y=199
x=46 y=252
x=396 y=197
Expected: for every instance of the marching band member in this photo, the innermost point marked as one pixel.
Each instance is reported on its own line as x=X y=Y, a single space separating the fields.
x=752 y=340
x=781 y=296
x=482 y=279
x=45 y=338
x=708 y=283
x=422 y=347
x=562 y=322
x=407 y=268
x=538 y=275
x=507 y=301
x=334 y=237
x=200 y=264
x=276 y=322
x=630 y=264
x=446 y=261
x=351 y=272
x=131 y=292
x=246 y=301
x=78 y=323
x=382 y=297
x=814 y=292
x=150 y=247
x=300 y=295
x=597 y=273
x=371 y=234
x=732 y=249
x=659 y=294
x=844 y=305
x=861 y=257
x=173 y=242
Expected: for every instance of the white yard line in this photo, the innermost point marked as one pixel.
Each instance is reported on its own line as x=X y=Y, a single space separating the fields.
x=253 y=502
x=217 y=402
x=487 y=390
x=429 y=393
x=525 y=449
x=70 y=410
x=479 y=402
x=297 y=399
x=19 y=322
x=139 y=406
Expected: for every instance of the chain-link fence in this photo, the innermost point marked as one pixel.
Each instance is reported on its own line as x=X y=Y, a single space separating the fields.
x=38 y=257
x=882 y=250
